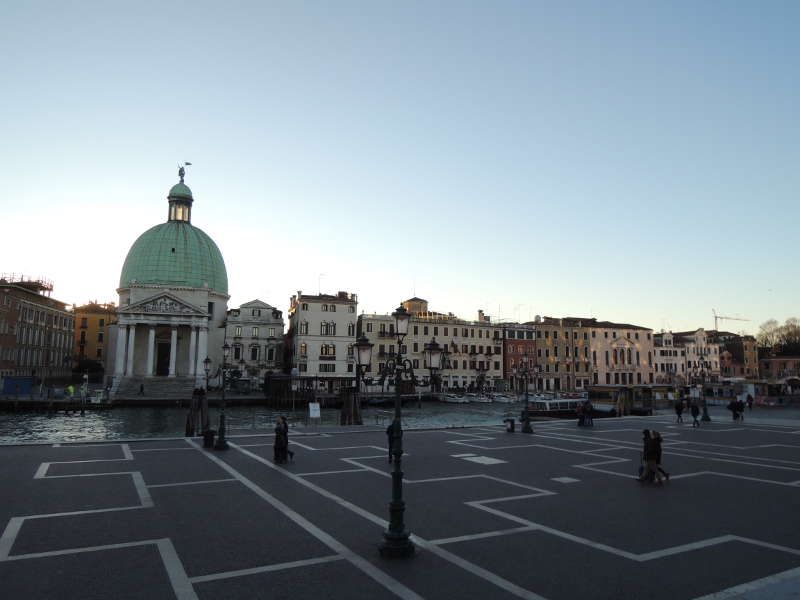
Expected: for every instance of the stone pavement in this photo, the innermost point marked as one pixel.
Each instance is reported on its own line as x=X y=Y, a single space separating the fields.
x=554 y=515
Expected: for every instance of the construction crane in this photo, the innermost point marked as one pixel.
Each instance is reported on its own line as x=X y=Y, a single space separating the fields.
x=717 y=318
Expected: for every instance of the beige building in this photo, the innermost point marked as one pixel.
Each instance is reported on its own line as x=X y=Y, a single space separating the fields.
x=563 y=354
x=92 y=321
x=621 y=354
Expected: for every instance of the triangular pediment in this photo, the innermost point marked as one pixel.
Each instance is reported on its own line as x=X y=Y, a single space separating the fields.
x=256 y=304
x=623 y=342
x=163 y=303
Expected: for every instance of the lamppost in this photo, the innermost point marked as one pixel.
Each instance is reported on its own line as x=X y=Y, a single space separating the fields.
x=705 y=416
x=395 y=543
x=222 y=443
x=433 y=356
x=363 y=358
x=207 y=368
x=524 y=373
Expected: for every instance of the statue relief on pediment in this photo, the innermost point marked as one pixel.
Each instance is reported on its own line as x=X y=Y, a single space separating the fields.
x=164 y=305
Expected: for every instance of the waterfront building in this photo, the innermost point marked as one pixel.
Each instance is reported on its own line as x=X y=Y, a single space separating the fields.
x=563 y=354
x=92 y=321
x=322 y=331
x=700 y=347
x=669 y=362
x=473 y=358
x=743 y=350
x=173 y=296
x=36 y=331
x=621 y=354
x=519 y=339
x=255 y=332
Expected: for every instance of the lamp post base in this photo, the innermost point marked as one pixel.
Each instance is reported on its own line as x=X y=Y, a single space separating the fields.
x=396 y=545
x=705 y=417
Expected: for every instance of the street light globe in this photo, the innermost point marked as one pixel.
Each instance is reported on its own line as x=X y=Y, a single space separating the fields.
x=226 y=351
x=433 y=354
x=401 y=318
x=363 y=351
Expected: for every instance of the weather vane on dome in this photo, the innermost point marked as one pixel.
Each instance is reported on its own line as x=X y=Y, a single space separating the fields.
x=182 y=171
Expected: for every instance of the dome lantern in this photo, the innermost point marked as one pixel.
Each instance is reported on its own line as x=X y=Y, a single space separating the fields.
x=180 y=200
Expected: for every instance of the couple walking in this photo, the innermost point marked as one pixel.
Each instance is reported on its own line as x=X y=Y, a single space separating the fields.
x=651 y=455
x=282 y=452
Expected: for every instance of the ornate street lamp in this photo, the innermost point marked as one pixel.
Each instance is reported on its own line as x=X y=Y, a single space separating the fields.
x=222 y=443
x=207 y=369
x=705 y=416
x=395 y=543
x=433 y=356
x=363 y=348
x=523 y=373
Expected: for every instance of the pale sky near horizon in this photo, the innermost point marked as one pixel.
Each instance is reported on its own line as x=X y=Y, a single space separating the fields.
x=632 y=161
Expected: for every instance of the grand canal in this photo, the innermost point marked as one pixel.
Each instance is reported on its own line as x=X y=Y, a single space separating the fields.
x=143 y=422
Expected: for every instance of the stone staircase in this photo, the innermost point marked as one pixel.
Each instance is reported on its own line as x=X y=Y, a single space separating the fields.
x=162 y=388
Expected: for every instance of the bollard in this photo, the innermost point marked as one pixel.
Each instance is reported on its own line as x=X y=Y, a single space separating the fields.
x=509 y=425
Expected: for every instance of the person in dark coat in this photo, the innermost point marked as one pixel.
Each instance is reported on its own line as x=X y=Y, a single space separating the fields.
x=588 y=411
x=390 y=435
x=280 y=443
x=581 y=415
x=734 y=408
x=740 y=409
x=286 y=434
x=695 y=414
x=657 y=439
x=749 y=402
x=649 y=456
x=679 y=410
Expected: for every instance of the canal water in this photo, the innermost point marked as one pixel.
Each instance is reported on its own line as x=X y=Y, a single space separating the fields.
x=142 y=422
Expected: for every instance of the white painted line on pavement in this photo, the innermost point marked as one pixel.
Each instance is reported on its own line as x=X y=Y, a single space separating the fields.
x=254 y=571
x=163 y=485
x=753 y=585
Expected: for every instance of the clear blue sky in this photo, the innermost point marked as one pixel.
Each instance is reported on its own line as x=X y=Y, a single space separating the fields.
x=632 y=161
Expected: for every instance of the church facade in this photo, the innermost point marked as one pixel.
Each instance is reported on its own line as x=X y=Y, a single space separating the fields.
x=173 y=302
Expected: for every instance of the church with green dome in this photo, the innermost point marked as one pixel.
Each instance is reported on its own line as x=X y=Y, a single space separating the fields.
x=173 y=302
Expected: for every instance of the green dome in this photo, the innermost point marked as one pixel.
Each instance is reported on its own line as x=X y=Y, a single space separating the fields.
x=175 y=254
x=180 y=190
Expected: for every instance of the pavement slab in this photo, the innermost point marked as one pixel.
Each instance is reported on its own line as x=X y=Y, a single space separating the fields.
x=556 y=514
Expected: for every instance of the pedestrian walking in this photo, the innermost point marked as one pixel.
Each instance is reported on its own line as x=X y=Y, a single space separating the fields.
x=649 y=456
x=588 y=411
x=740 y=409
x=141 y=390
x=657 y=439
x=695 y=414
x=390 y=435
x=679 y=410
x=286 y=434
x=581 y=415
x=734 y=408
x=280 y=443
x=749 y=402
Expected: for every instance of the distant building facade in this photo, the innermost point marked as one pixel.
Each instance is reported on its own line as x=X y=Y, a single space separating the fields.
x=322 y=331
x=255 y=331
x=92 y=322
x=36 y=331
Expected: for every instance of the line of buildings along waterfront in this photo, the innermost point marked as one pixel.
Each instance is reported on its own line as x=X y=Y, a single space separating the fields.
x=172 y=319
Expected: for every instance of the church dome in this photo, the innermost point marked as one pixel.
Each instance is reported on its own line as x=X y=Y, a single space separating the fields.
x=175 y=253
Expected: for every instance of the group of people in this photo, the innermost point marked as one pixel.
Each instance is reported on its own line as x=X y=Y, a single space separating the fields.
x=282 y=452
x=585 y=413
x=651 y=456
x=693 y=409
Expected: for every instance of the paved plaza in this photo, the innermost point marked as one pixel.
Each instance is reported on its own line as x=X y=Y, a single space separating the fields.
x=553 y=515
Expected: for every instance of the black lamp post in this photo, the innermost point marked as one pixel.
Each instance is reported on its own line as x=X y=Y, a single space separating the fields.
x=363 y=358
x=207 y=369
x=222 y=443
x=433 y=356
x=705 y=416
x=395 y=543
x=523 y=373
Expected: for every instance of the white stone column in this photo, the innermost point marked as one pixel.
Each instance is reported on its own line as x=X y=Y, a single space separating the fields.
x=192 y=350
x=173 y=351
x=151 y=344
x=119 y=362
x=131 y=341
x=202 y=349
